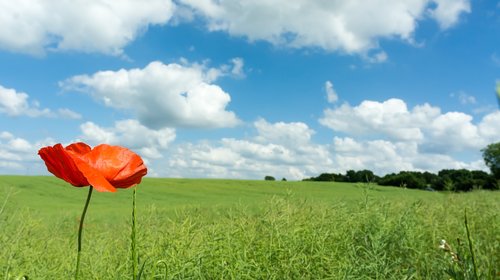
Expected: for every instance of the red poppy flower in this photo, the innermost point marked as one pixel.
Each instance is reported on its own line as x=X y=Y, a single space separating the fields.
x=104 y=167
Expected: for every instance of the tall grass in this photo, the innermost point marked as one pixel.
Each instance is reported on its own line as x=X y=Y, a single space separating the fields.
x=281 y=237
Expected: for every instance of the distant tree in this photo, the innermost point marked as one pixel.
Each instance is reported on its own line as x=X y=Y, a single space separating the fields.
x=325 y=177
x=483 y=180
x=351 y=176
x=340 y=177
x=361 y=176
x=365 y=176
x=269 y=178
x=464 y=180
x=491 y=156
x=408 y=179
x=446 y=179
x=283 y=179
x=430 y=179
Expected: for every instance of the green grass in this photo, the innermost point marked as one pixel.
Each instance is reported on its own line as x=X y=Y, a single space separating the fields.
x=235 y=229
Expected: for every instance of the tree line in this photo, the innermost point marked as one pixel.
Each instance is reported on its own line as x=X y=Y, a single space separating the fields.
x=446 y=179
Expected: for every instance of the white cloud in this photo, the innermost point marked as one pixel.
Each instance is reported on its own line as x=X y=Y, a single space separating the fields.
x=464 y=98
x=20 y=145
x=378 y=57
x=68 y=114
x=347 y=26
x=380 y=156
x=425 y=125
x=4 y=135
x=162 y=95
x=287 y=150
x=383 y=157
x=18 y=155
x=287 y=134
x=452 y=131
x=331 y=95
x=447 y=12
x=33 y=26
x=14 y=104
x=237 y=69
x=283 y=149
x=279 y=149
x=389 y=137
x=489 y=127
x=390 y=118
x=131 y=134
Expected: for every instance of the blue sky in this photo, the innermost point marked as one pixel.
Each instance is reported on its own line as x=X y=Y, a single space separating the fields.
x=244 y=89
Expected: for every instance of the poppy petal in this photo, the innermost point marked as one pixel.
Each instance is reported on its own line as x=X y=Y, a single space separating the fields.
x=60 y=163
x=120 y=166
x=93 y=176
x=79 y=148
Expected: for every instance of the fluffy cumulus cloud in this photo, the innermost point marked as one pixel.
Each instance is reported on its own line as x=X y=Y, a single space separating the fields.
x=32 y=27
x=18 y=155
x=14 y=104
x=423 y=124
x=131 y=134
x=447 y=11
x=383 y=157
x=287 y=149
x=162 y=95
x=422 y=138
x=284 y=149
x=287 y=134
x=388 y=137
x=390 y=118
x=279 y=149
x=330 y=25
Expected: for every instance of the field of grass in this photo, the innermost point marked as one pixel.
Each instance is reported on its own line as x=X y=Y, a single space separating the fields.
x=236 y=229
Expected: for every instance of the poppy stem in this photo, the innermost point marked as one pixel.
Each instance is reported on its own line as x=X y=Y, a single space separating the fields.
x=133 y=237
x=80 y=230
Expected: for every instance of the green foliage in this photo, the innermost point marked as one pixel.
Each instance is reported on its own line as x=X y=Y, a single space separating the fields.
x=323 y=177
x=464 y=180
x=269 y=178
x=362 y=176
x=351 y=176
x=244 y=230
x=446 y=179
x=408 y=179
x=491 y=156
x=463 y=261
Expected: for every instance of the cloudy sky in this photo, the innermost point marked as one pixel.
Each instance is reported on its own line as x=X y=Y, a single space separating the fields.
x=248 y=88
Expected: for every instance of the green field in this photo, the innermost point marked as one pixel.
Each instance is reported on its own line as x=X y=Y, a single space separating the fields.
x=236 y=229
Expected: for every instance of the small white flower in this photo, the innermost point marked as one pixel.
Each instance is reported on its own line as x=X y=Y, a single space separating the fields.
x=442 y=244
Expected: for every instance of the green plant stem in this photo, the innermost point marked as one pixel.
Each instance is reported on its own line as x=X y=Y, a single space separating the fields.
x=5 y=201
x=135 y=263
x=470 y=245
x=80 y=231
